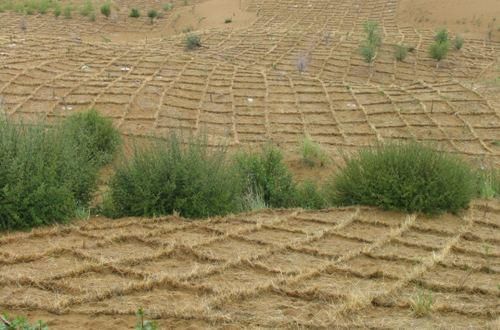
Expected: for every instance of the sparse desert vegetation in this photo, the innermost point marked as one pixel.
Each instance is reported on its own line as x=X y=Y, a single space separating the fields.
x=372 y=42
x=401 y=52
x=106 y=9
x=135 y=13
x=192 y=41
x=441 y=46
x=152 y=14
x=312 y=153
x=243 y=164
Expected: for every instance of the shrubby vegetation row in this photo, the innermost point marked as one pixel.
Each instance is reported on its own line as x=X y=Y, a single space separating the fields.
x=49 y=174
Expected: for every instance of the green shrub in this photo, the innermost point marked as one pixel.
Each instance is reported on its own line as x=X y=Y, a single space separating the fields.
x=421 y=303
x=192 y=180
x=401 y=52
x=57 y=9
x=152 y=14
x=408 y=177
x=193 y=41
x=266 y=175
x=135 y=13
x=312 y=153
x=43 y=6
x=106 y=9
x=253 y=201
x=438 y=51
x=46 y=174
x=143 y=324
x=441 y=46
x=95 y=133
x=21 y=323
x=168 y=6
x=228 y=20
x=372 y=31
x=488 y=183
x=18 y=7
x=458 y=42
x=67 y=11
x=33 y=189
x=368 y=52
x=97 y=141
x=310 y=196
x=373 y=40
x=87 y=8
x=442 y=36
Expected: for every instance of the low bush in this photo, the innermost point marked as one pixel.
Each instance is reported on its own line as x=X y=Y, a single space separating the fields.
x=442 y=36
x=372 y=42
x=421 y=303
x=106 y=9
x=67 y=11
x=95 y=133
x=310 y=196
x=135 y=13
x=401 y=52
x=193 y=41
x=152 y=14
x=372 y=30
x=441 y=46
x=368 y=52
x=266 y=175
x=57 y=9
x=488 y=183
x=407 y=177
x=168 y=6
x=438 y=51
x=169 y=177
x=46 y=174
x=43 y=6
x=458 y=42
x=87 y=8
x=312 y=154
x=253 y=200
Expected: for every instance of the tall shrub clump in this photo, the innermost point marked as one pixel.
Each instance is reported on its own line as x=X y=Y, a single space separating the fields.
x=266 y=175
x=47 y=173
x=407 y=177
x=192 y=180
x=94 y=133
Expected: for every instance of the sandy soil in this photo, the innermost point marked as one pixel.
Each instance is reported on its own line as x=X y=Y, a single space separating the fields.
x=351 y=267
x=479 y=19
